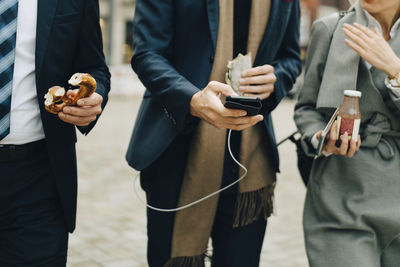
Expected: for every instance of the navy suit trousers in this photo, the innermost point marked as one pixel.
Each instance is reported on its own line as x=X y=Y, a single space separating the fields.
x=32 y=227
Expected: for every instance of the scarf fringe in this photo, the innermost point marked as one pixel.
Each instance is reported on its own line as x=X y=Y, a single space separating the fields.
x=190 y=261
x=250 y=205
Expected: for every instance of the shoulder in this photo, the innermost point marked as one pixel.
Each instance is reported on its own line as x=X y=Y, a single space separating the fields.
x=326 y=24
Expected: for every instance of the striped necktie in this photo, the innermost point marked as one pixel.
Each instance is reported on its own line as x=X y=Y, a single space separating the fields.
x=8 y=36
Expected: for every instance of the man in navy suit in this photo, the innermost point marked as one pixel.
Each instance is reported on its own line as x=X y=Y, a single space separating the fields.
x=42 y=44
x=175 y=46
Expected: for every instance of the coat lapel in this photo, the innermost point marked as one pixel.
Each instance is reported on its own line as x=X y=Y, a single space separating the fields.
x=213 y=16
x=46 y=12
x=342 y=64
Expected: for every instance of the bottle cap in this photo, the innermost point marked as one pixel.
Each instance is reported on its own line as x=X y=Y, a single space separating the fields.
x=352 y=93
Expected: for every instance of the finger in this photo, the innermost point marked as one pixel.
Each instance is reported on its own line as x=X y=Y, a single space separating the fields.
x=262 y=79
x=228 y=112
x=254 y=120
x=260 y=70
x=355 y=47
x=258 y=89
x=93 y=100
x=352 y=149
x=364 y=29
x=357 y=38
x=358 y=142
x=345 y=144
x=79 y=121
x=242 y=120
x=261 y=96
x=83 y=111
x=332 y=138
x=355 y=31
x=220 y=88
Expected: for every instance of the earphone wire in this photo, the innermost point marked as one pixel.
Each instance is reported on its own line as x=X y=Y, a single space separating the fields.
x=201 y=199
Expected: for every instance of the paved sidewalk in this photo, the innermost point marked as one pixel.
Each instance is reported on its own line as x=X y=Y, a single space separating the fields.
x=111 y=227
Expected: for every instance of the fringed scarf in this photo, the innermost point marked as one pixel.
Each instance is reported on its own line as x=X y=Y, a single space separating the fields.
x=203 y=174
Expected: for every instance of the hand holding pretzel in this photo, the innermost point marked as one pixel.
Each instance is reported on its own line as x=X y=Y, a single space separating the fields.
x=79 y=107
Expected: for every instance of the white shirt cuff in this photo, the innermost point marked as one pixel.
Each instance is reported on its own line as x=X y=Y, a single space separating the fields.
x=393 y=87
x=314 y=143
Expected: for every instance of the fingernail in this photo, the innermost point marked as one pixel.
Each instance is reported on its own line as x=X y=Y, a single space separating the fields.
x=242 y=80
x=244 y=73
x=67 y=110
x=241 y=88
x=80 y=102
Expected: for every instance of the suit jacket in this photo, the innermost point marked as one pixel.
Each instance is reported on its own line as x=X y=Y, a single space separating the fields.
x=68 y=41
x=175 y=43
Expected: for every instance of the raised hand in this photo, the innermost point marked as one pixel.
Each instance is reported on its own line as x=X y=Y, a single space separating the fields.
x=373 y=48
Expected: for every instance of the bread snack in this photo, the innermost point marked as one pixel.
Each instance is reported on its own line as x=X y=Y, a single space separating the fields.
x=234 y=70
x=56 y=98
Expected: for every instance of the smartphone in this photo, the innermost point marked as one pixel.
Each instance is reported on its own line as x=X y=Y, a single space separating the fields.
x=252 y=105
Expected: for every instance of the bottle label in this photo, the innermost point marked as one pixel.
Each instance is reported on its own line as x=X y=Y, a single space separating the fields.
x=351 y=126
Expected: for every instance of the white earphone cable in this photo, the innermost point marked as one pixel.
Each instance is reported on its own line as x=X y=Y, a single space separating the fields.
x=203 y=198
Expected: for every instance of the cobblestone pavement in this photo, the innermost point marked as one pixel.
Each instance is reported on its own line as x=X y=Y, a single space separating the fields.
x=111 y=227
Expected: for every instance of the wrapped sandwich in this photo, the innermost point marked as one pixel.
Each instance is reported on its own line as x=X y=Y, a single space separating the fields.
x=234 y=70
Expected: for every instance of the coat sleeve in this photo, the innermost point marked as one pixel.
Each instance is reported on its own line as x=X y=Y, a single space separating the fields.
x=287 y=64
x=396 y=101
x=90 y=57
x=153 y=37
x=308 y=120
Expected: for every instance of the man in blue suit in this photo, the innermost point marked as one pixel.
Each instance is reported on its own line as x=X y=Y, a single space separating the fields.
x=181 y=50
x=42 y=44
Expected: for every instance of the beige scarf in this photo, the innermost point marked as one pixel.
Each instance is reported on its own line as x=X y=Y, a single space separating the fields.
x=203 y=174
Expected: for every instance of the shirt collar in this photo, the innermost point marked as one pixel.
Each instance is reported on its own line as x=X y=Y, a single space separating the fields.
x=373 y=23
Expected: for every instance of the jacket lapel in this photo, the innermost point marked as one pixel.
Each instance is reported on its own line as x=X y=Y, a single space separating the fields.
x=213 y=16
x=342 y=64
x=46 y=12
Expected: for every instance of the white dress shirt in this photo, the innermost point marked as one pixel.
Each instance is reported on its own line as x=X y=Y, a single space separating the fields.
x=26 y=125
x=372 y=24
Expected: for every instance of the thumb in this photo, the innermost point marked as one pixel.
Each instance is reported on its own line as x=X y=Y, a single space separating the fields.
x=221 y=88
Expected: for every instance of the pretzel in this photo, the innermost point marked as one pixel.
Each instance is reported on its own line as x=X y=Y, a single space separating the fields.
x=56 y=98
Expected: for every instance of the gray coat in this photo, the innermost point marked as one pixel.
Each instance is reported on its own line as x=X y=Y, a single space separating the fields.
x=355 y=199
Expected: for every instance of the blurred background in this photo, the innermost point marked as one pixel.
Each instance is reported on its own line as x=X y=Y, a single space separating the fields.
x=111 y=226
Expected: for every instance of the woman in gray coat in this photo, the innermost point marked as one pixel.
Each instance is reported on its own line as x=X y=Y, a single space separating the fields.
x=352 y=209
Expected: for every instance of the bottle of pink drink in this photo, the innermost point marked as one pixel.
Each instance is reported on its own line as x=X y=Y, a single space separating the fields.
x=349 y=116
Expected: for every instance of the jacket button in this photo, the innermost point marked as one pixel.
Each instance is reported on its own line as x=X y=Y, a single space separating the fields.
x=211 y=59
